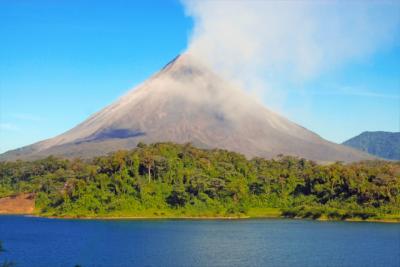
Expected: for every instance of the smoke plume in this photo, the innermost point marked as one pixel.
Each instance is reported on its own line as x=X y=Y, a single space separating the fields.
x=263 y=44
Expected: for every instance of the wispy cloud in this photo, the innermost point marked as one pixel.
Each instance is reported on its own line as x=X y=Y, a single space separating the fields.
x=357 y=91
x=8 y=127
x=352 y=91
x=27 y=117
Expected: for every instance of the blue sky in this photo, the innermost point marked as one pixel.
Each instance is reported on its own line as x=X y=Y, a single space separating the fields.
x=61 y=61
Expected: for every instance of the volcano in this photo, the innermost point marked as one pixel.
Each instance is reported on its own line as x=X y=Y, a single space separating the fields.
x=187 y=102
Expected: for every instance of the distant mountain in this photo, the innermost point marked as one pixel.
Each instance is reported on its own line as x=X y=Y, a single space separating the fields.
x=382 y=144
x=187 y=102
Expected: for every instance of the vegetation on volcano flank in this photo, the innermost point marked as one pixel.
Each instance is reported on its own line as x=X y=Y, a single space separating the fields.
x=171 y=180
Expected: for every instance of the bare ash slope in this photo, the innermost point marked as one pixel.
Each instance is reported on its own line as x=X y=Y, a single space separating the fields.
x=186 y=102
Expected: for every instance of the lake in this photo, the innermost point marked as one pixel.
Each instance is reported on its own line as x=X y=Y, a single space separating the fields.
x=41 y=242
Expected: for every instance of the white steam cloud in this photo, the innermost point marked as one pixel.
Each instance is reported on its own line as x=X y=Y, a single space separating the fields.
x=262 y=43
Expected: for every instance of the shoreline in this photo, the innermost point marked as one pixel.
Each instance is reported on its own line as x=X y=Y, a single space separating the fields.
x=197 y=218
x=24 y=204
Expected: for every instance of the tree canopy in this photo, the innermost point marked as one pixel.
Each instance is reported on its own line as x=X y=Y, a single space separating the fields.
x=167 y=178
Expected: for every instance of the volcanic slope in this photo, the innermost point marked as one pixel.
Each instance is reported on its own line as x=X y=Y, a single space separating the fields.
x=187 y=102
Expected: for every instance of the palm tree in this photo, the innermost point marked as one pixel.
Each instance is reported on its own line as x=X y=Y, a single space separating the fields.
x=148 y=162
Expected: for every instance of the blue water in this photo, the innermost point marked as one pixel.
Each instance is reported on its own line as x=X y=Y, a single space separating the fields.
x=53 y=242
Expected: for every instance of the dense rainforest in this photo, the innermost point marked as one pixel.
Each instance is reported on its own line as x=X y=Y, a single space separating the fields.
x=171 y=180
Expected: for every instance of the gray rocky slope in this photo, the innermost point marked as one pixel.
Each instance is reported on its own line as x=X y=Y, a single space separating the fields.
x=187 y=102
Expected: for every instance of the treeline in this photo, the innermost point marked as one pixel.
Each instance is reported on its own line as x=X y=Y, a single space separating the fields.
x=170 y=179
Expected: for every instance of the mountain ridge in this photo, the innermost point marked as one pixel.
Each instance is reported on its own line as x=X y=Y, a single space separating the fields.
x=379 y=143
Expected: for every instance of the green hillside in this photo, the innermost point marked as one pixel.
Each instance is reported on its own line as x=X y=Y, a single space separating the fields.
x=382 y=144
x=170 y=180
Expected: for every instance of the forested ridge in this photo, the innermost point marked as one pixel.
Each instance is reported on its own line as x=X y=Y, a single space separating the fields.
x=171 y=180
x=381 y=144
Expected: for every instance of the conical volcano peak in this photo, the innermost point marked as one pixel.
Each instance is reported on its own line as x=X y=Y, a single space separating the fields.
x=186 y=64
x=183 y=59
x=172 y=62
x=188 y=102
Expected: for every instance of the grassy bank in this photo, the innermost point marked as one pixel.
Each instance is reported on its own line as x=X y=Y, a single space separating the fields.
x=253 y=213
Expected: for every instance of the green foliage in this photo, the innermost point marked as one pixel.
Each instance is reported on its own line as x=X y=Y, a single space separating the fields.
x=166 y=179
